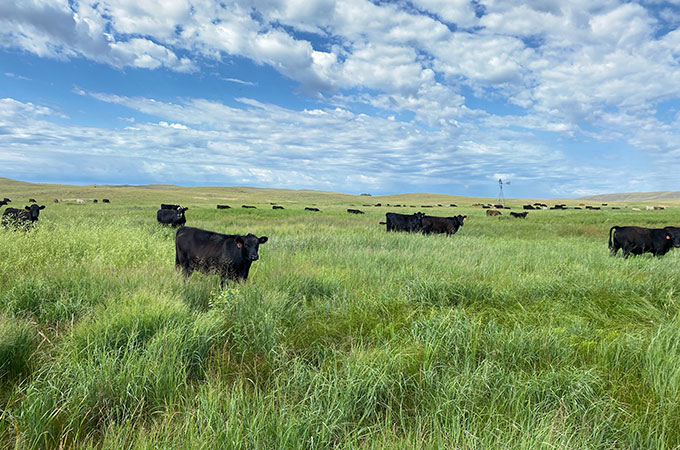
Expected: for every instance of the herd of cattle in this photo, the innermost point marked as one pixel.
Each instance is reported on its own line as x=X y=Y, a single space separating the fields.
x=231 y=255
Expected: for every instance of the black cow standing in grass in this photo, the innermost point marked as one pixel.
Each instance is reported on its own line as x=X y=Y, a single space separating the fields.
x=277 y=207
x=521 y=215
x=229 y=255
x=354 y=211
x=638 y=240
x=404 y=222
x=308 y=208
x=21 y=217
x=448 y=225
x=174 y=217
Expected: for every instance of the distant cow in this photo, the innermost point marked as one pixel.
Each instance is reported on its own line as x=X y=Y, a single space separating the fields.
x=307 y=208
x=404 y=222
x=277 y=207
x=229 y=255
x=168 y=206
x=638 y=240
x=32 y=200
x=521 y=215
x=493 y=212
x=248 y=207
x=21 y=217
x=448 y=225
x=94 y=201
x=223 y=206
x=453 y=205
x=173 y=217
x=529 y=207
x=106 y=200
x=354 y=211
x=6 y=200
x=56 y=200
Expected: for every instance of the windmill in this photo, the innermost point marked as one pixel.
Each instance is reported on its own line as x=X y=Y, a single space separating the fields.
x=501 y=196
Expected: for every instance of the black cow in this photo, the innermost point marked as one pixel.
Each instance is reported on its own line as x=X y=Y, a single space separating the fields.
x=529 y=207
x=6 y=200
x=2 y=203
x=21 y=217
x=32 y=200
x=106 y=200
x=172 y=217
x=638 y=240
x=448 y=225
x=94 y=201
x=453 y=205
x=168 y=206
x=229 y=255
x=277 y=207
x=404 y=222
x=307 y=208
x=223 y=207
x=354 y=211
x=521 y=215
x=248 y=207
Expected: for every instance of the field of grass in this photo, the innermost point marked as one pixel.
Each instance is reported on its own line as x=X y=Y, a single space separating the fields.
x=509 y=334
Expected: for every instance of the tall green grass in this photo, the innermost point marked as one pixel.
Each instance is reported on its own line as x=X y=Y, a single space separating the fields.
x=509 y=334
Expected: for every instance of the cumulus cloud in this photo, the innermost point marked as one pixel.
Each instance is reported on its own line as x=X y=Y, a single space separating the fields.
x=476 y=73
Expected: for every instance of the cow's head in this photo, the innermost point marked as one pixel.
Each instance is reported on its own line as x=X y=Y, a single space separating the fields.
x=33 y=211
x=249 y=245
x=673 y=234
x=180 y=212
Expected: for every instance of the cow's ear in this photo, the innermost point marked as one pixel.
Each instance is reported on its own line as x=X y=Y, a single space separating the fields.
x=186 y=208
x=42 y=207
x=239 y=241
x=263 y=239
x=27 y=208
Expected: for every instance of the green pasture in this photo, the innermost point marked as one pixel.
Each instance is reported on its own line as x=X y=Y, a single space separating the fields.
x=510 y=334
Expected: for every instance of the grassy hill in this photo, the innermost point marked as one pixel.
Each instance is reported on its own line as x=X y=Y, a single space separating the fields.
x=661 y=196
x=509 y=334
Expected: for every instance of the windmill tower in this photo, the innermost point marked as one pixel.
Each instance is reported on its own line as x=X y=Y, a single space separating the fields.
x=501 y=196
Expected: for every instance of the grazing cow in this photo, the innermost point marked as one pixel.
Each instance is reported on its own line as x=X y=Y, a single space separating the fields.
x=94 y=201
x=577 y=207
x=168 y=206
x=248 y=207
x=6 y=200
x=521 y=215
x=106 y=200
x=638 y=240
x=528 y=207
x=21 y=217
x=453 y=205
x=32 y=200
x=378 y=204
x=354 y=211
x=277 y=207
x=448 y=225
x=498 y=205
x=493 y=212
x=223 y=206
x=307 y=208
x=172 y=217
x=615 y=207
x=56 y=200
x=404 y=222
x=229 y=255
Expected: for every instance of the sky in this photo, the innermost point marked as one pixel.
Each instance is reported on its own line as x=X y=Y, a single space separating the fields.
x=561 y=98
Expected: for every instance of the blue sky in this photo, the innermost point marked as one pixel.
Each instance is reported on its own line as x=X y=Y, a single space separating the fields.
x=561 y=98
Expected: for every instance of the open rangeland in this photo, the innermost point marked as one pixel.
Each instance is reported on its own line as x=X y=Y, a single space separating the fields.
x=509 y=334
